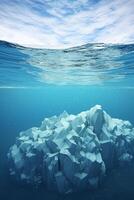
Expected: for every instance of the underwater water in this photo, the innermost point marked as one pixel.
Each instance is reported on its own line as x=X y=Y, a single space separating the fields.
x=39 y=83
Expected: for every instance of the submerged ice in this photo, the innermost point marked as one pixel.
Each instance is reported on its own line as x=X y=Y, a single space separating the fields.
x=72 y=152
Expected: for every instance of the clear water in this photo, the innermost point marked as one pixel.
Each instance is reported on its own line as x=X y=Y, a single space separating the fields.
x=38 y=83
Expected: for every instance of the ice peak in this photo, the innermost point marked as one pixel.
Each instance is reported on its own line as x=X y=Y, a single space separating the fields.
x=97 y=107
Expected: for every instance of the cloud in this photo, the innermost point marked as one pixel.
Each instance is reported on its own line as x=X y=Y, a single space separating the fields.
x=66 y=23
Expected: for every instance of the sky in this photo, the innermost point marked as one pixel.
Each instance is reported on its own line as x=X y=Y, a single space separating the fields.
x=66 y=23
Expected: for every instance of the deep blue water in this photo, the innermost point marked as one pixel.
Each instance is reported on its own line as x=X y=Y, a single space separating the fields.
x=37 y=83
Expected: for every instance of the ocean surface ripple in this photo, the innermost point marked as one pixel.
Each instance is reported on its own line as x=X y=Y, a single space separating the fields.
x=89 y=64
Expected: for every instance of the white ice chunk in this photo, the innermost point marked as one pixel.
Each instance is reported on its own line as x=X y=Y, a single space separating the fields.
x=72 y=152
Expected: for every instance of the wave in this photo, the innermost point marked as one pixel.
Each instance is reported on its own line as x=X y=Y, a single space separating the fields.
x=89 y=64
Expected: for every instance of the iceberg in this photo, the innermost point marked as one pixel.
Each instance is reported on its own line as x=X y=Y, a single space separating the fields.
x=69 y=153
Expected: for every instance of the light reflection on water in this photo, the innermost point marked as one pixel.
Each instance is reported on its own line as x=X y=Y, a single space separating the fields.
x=91 y=64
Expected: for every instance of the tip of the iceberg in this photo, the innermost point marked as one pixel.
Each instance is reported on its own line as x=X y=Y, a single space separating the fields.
x=97 y=106
x=72 y=152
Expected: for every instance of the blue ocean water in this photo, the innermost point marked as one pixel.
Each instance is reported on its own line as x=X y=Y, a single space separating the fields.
x=38 y=83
